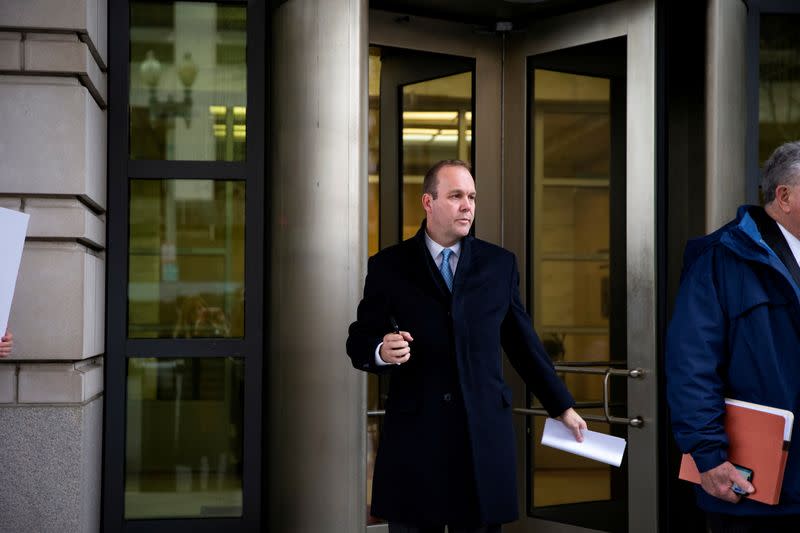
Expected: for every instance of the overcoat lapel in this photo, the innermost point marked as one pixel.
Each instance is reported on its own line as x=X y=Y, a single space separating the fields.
x=460 y=323
x=464 y=264
x=429 y=266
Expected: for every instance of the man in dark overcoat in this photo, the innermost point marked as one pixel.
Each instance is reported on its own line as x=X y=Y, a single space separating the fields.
x=437 y=308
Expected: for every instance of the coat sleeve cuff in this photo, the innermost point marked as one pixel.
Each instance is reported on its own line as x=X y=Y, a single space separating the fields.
x=558 y=404
x=709 y=458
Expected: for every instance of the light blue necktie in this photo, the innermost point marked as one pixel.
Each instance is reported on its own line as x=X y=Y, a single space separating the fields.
x=444 y=268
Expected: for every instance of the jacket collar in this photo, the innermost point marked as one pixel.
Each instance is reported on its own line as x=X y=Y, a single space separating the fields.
x=745 y=240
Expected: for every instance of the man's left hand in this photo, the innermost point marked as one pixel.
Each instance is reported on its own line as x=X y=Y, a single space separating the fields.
x=574 y=423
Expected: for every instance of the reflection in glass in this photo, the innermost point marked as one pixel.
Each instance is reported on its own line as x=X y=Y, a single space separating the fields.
x=373 y=163
x=779 y=83
x=571 y=147
x=186 y=269
x=437 y=124
x=183 y=455
x=188 y=81
x=375 y=384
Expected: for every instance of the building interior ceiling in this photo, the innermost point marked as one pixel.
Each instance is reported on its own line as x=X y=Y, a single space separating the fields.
x=485 y=12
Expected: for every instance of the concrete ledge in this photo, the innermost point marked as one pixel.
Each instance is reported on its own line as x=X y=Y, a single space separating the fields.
x=64 y=218
x=8 y=382
x=59 y=304
x=65 y=54
x=10 y=51
x=58 y=146
x=85 y=17
x=59 y=382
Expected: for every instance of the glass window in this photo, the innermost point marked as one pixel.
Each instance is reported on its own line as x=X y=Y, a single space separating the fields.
x=779 y=82
x=186 y=262
x=177 y=349
x=188 y=81
x=184 y=438
x=437 y=124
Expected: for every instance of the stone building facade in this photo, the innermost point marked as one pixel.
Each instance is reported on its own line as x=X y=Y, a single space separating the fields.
x=53 y=58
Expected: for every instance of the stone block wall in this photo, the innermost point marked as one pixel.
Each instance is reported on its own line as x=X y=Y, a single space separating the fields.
x=53 y=100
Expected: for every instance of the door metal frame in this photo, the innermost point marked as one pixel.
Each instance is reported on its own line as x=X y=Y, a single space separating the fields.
x=635 y=20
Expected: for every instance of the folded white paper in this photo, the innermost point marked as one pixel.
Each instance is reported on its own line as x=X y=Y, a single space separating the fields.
x=598 y=446
x=13 y=227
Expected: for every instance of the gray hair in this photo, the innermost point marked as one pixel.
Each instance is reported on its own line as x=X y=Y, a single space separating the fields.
x=782 y=168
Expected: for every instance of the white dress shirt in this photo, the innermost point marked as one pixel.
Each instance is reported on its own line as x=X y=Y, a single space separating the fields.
x=435 y=250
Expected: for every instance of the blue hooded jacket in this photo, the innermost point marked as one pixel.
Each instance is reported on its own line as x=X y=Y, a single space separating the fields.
x=735 y=332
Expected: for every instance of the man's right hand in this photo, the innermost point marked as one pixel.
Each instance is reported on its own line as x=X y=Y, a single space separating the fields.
x=395 y=349
x=719 y=482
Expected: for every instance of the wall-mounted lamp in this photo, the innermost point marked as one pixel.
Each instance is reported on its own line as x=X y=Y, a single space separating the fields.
x=150 y=70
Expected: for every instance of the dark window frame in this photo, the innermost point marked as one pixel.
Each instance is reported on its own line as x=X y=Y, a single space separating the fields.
x=121 y=169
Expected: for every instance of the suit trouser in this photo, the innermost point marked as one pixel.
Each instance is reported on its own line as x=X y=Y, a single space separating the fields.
x=402 y=528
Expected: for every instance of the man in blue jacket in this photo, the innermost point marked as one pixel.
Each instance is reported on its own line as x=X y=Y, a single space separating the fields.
x=436 y=310
x=735 y=333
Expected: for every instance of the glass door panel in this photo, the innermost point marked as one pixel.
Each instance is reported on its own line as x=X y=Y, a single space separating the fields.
x=420 y=112
x=591 y=249
x=571 y=143
x=437 y=124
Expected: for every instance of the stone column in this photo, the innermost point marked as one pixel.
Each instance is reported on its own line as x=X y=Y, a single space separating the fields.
x=726 y=110
x=53 y=149
x=317 y=401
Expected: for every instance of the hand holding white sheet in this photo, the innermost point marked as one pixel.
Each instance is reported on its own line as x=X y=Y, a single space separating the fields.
x=598 y=446
x=13 y=227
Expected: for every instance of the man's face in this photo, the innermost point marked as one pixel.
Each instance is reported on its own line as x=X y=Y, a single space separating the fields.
x=451 y=213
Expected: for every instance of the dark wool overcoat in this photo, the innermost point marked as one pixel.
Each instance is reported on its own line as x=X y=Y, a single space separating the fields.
x=447 y=449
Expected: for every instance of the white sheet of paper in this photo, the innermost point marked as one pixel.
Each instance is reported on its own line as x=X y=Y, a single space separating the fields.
x=13 y=228
x=598 y=446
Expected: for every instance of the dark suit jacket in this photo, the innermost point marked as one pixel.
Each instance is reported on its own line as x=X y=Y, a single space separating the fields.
x=447 y=452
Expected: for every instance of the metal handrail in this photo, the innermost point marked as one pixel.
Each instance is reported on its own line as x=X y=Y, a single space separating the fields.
x=579 y=405
x=634 y=373
x=573 y=364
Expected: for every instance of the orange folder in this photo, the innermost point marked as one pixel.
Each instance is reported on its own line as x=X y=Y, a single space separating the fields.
x=759 y=438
